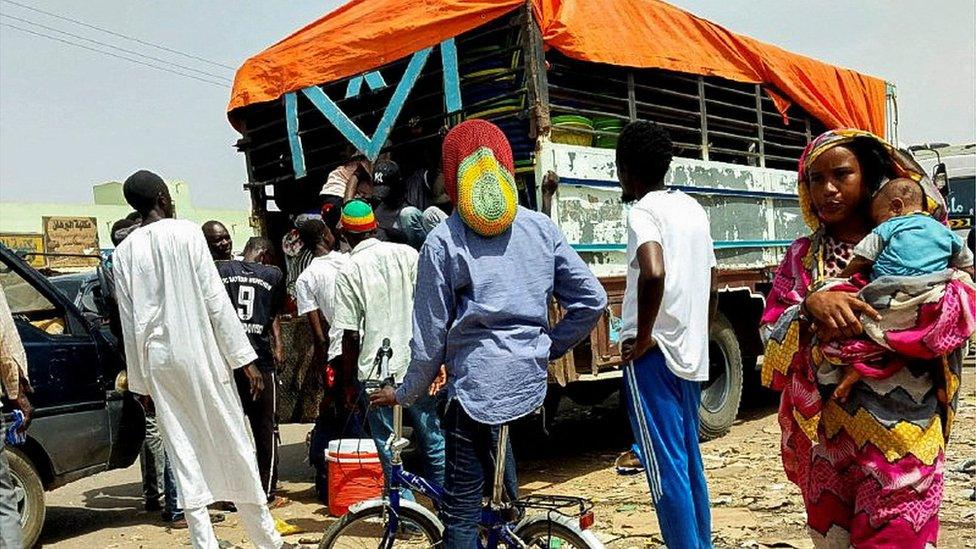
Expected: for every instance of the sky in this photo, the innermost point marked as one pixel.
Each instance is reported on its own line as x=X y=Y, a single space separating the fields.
x=71 y=118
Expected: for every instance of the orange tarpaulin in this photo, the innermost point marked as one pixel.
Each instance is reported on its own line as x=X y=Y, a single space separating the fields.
x=649 y=33
x=366 y=34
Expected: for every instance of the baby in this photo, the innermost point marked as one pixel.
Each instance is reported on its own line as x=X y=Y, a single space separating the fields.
x=905 y=242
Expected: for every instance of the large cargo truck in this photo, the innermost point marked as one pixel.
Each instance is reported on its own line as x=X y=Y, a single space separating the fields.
x=736 y=151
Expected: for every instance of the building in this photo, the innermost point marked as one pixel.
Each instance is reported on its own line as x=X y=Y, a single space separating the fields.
x=109 y=205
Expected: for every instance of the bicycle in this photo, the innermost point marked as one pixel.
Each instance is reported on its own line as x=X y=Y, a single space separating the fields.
x=391 y=521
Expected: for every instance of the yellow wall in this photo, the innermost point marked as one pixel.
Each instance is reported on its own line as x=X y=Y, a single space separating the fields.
x=108 y=206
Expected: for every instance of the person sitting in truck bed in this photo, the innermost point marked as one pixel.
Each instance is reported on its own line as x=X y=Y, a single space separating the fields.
x=397 y=220
x=342 y=185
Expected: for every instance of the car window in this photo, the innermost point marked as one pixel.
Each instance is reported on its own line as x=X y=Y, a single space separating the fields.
x=28 y=303
x=68 y=285
x=88 y=304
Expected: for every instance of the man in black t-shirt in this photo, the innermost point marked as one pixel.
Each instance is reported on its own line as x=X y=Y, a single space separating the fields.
x=257 y=289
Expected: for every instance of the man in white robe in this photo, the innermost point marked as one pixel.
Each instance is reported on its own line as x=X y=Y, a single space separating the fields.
x=182 y=342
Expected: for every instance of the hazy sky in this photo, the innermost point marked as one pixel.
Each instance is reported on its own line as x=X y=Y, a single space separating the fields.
x=70 y=118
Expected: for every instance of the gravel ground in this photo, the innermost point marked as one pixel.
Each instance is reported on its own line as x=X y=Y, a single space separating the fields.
x=753 y=505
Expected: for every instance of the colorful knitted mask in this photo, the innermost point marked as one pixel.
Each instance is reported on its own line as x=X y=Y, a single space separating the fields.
x=478 y=176
x=357 y=217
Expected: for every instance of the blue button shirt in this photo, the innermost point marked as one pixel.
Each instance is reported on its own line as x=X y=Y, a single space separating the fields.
x=482 y=308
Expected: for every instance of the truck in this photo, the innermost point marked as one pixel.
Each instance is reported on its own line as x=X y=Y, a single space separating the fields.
x=953 y=168
x=84 y=421
x=560 y=79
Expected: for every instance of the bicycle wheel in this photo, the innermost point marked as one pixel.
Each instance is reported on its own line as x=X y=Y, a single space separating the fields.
x=366 y=528
x=550 y=534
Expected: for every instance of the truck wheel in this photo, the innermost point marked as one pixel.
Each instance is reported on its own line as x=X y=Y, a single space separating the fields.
x=29 y=494
x=722 y=392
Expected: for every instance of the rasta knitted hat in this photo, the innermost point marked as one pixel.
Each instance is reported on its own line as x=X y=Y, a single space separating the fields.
x=357 y=217
x=478 y=176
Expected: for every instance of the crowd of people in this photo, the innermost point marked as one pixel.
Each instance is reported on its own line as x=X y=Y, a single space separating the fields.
x=383 y=258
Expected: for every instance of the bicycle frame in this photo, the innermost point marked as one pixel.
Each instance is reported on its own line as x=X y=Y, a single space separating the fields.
x=498 y=529
x=496 y=516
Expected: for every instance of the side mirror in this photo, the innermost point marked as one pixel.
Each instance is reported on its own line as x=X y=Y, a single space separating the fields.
x=940 y=176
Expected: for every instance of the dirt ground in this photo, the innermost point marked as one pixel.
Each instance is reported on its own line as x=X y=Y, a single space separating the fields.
x=753 y=505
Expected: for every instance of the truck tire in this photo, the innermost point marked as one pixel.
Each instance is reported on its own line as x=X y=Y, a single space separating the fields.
x=722 y=392
x=29 y=493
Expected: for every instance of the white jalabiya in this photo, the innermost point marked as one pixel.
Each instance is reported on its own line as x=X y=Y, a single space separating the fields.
x=183 y=339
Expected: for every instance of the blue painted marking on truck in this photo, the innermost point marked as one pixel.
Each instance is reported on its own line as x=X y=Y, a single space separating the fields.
x=370 y=146
x=354 y=86
x=294 y=142
x=452 y=80
x=689 y=190
x=393 y=109
x=718 y=245
x=334 y=114
x=735 y=244
x=373 y=79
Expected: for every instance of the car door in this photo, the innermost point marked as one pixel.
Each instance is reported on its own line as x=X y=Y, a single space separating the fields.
x=71 y=420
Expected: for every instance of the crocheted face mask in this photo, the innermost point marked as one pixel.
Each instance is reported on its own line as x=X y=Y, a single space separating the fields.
x=478 y=176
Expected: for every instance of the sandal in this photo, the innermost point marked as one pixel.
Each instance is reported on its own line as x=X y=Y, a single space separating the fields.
x=278 y=502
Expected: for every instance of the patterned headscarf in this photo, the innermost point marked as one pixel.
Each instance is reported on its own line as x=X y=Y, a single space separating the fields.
x=902 y=164
x=357 y=217
x=478 y=176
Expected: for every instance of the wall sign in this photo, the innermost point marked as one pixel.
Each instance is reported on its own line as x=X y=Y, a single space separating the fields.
x=71 y=235
x=27 y=242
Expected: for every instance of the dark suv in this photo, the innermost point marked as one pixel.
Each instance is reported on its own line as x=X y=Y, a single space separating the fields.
x=82 y=423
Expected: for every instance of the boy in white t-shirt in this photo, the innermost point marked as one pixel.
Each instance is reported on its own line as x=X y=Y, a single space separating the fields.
x=670 y=294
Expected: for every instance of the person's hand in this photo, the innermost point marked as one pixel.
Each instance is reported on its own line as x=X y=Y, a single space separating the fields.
x=147 y=404
x=550 y=182
x=350 y=398
x=633 y=348
x=23 y=404
x=255 y=379
x=383 y=397
x=439 y=381
x=320 y=354
x=836 y=314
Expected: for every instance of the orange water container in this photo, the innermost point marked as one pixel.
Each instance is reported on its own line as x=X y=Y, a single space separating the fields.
x=355 y=473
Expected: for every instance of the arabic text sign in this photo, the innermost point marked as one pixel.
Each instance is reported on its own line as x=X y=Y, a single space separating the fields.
x=27 y=242
x=71 y=235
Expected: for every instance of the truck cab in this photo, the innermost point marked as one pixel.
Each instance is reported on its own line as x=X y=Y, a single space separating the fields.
x=82 y=423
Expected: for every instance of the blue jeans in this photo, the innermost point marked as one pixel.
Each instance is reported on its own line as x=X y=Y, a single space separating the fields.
x=333 y=422
x=10 y=533
x=663 y=410
x=155 y=468
x=426 y=430
x=171 y=506
x=469 y=474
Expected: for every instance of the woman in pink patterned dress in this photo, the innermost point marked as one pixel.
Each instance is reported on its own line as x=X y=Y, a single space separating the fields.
x=871 y=468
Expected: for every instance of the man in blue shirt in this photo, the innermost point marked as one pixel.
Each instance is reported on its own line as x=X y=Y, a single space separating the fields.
x=486 y=278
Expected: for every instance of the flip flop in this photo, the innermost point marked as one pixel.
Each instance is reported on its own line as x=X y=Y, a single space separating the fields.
x=278 y=502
